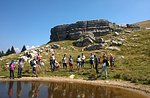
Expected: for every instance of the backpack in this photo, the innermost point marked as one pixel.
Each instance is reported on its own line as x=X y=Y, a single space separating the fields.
x=107 y=63
x=11 y=66
x=32 y=63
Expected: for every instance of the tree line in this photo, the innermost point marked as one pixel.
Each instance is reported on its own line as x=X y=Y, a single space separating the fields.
x=11 y=51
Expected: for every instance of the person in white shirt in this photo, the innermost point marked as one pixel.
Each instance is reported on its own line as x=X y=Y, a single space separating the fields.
x=79 y=62
x=82 y=60
x=92 y=60
x=64 y=61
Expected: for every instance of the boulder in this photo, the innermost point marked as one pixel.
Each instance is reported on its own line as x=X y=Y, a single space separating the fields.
x=114 y=48
x=94 y=47
x=99 y=40
x=116 y=34
x=55 y=46
x=116 y=43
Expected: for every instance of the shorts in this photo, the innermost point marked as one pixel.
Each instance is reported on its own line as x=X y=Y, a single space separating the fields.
x=70 y=64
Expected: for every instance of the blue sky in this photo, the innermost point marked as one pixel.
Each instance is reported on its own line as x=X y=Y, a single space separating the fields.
x=28 y=22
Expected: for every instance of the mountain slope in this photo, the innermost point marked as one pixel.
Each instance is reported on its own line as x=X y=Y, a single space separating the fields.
x=145 y=24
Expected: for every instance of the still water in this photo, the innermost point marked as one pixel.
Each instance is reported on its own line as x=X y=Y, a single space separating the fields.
x=20 y=89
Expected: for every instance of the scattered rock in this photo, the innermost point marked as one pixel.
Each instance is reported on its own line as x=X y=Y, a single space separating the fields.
x=114 y=48
x=94 y=47
x=116 y=34
x=55 y=46
x=72 y=76
x=99 y=40
x=116 y=43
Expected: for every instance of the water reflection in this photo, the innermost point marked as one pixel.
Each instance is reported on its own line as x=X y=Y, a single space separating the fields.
x=62 y=90
x=34 y=92
x=10 y=90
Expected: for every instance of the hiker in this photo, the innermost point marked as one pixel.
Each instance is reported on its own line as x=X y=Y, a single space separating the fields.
x=71 y=63
x=82 y=60
x=96 y=63
x=64 y=61
x=33 y=65
x=78 y=62
x=112 y=60
x=38 y=59
x=20 y=67
x=92 y=60
x=52 y=62
x=99 y=59
x=11 y=69
x=104 y=67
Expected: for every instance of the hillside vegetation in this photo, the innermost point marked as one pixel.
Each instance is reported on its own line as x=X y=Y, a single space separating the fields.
x=132 y=62
x=145 y=24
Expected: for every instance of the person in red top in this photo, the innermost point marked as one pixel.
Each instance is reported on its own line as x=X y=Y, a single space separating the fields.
x=112 y=60
x=38 y=58
x=11 y=69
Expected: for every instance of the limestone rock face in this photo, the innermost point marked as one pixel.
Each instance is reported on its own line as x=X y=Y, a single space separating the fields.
x=73 y=31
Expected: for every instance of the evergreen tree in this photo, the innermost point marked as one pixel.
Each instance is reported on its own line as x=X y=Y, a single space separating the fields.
x=0 y=54
x=12 y=50
x=8 y=52
x=23 y=48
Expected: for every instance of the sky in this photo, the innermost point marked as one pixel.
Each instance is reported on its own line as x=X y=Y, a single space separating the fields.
x=28 y=22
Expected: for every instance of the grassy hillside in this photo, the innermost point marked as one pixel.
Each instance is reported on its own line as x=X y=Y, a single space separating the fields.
x=144 y=23
x=132 y=62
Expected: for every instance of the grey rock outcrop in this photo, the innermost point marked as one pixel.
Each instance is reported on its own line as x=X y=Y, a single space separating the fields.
x=73 y=31
x=85 y=40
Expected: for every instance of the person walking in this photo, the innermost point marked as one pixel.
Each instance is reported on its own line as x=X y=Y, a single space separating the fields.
x=11 y=69
x=104 y=67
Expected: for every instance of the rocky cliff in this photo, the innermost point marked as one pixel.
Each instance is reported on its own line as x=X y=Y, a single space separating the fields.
x=74 y=30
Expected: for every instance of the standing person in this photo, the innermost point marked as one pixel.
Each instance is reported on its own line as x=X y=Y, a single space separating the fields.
x=104 y=67
x=20 y=67
x=38 y=59
x=99 y=59
x=92 y=60
x=33 y=65
x=71 y=63
x=78 y=62
x=11 y=69
x=52 y=62
x=96 y=63
x=82 y=60
x=112 y=60
x=64 y=61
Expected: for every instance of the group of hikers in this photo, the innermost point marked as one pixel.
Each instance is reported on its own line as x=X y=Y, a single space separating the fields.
x=94 y=61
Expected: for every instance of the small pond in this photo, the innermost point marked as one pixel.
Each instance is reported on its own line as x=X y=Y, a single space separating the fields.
x=18 y=89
